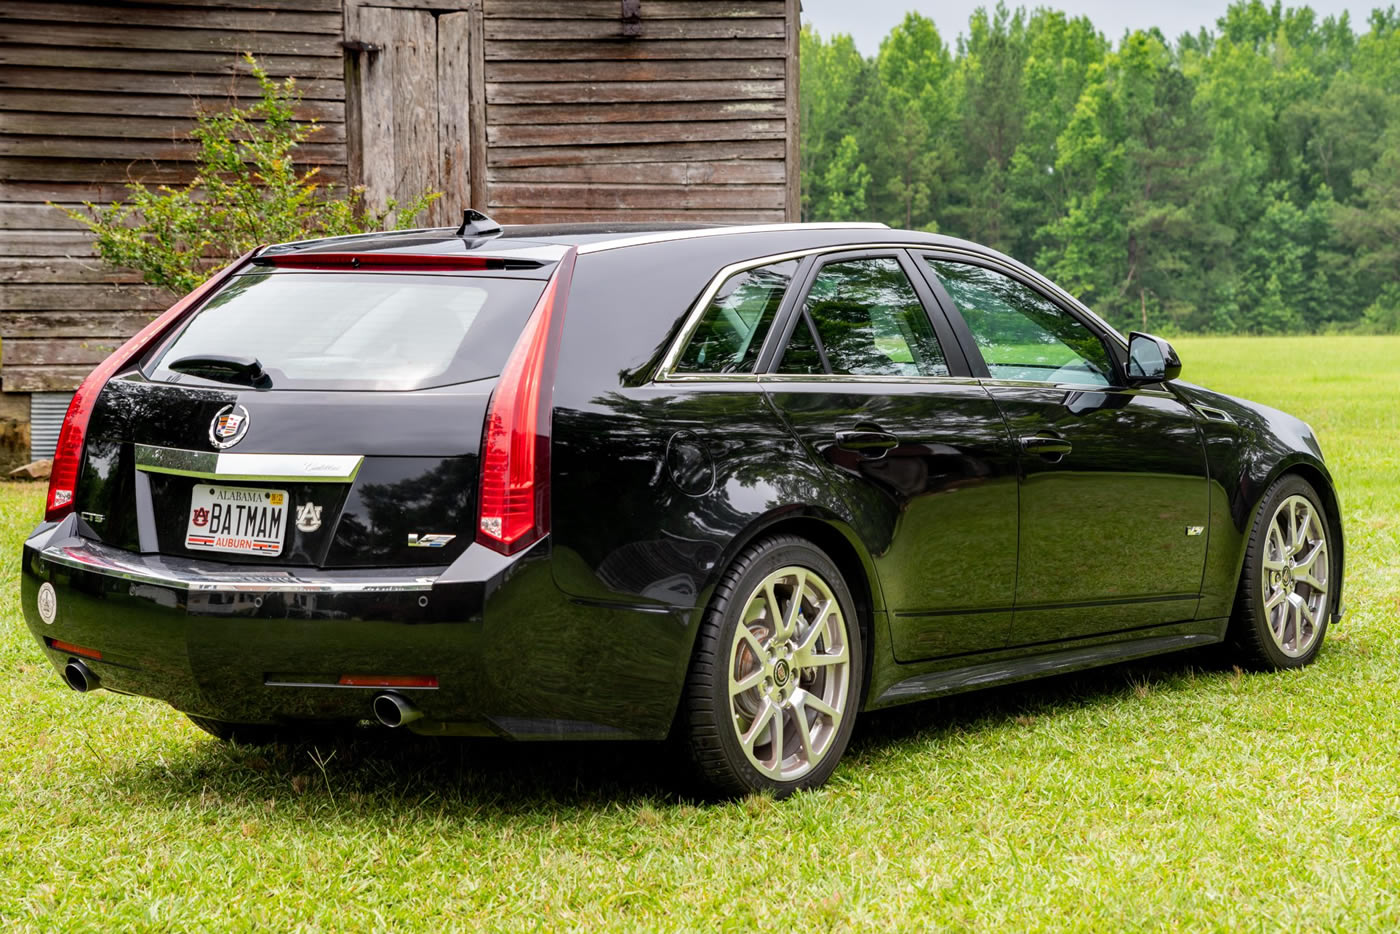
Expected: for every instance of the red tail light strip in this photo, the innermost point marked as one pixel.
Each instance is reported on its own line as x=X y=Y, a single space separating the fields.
x=72 y=649
x=513 y=505
x=68 y=455
x=388 y=681
x=400 y=261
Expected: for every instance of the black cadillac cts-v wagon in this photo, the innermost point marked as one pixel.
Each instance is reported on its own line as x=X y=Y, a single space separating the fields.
x=731 y=485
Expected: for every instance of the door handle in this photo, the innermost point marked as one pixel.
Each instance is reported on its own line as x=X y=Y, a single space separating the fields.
x=869 y=442
x=1046 y=446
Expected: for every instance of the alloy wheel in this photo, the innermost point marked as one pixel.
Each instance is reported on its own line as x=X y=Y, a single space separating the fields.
x=1294 y=578
x=789 y=673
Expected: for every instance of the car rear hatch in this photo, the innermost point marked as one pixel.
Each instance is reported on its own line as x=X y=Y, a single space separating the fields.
x=315 y=411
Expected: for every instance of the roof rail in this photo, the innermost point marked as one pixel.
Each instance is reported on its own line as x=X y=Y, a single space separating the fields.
x=662 y=236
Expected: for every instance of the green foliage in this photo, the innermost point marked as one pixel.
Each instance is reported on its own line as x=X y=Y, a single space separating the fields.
x=1245 y=178
x=248 y=191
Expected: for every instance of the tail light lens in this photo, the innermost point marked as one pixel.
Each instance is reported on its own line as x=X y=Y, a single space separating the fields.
x=513 y=506
x=68 y=455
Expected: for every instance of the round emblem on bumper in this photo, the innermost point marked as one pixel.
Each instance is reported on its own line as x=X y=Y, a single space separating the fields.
x=48 y=603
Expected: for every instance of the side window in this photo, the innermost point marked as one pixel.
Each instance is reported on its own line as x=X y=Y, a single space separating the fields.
x=869 y=322
x=731 y=332
x=1021 y=333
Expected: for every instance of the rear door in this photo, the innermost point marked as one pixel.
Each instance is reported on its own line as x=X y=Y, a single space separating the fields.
x=356 y=445
x=876 y=389
x=1113 y=482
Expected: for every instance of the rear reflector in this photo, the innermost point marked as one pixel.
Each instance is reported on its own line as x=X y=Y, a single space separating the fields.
x=513 y=506
x=407 y=262
x=68 y=455
x=72 y=649
x=388 y=681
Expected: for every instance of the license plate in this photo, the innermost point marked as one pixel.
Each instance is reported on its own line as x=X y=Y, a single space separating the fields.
x=237 y=520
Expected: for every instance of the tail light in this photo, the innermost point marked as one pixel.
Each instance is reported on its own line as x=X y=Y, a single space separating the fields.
x=513 y=508
x=68 y=455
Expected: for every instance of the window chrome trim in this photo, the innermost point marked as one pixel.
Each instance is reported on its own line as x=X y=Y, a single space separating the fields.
x=669 y=235
x=221 y=465
x=697 y=311
x=866 y=378
x=1072 y=387
x=185 y=574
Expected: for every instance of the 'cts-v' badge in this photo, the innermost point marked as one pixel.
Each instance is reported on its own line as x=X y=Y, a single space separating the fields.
x=229 y=426
x=431 y=540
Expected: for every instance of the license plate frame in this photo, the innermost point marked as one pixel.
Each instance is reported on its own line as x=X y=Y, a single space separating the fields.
x=235 y=520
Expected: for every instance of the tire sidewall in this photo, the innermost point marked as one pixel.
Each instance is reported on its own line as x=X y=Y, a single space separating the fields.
x=1252 y=575
x=774 y=556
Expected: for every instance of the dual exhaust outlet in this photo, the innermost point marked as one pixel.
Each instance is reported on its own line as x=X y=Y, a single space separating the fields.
x=389 y=709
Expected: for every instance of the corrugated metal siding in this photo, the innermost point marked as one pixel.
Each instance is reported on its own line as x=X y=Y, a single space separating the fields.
x=46 y=411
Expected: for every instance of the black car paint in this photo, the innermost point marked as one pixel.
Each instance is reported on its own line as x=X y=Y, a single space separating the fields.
x=657 y=486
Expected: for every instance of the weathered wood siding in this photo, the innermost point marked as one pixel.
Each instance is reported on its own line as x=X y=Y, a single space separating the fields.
x=94 y=94
x=688 y=121
x=561 y=118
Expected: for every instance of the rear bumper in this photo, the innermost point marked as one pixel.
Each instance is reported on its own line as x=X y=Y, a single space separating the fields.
x=265 y=645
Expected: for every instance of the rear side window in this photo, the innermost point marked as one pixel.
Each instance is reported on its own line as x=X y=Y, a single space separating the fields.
x=731 y=331
x=869 y=322
x=357 y=331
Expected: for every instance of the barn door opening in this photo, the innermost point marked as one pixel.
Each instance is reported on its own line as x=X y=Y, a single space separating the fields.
x=410 y=86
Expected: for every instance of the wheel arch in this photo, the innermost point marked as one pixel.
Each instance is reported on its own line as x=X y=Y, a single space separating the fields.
x=841 y=544
x=1320 y=480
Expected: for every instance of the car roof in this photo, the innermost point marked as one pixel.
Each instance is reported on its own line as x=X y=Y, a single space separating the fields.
x=515 y=237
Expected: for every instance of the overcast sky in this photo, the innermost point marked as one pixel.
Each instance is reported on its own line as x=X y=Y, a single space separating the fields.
x=868 y=21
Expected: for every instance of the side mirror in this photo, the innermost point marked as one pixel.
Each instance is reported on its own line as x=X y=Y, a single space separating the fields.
x=1151 y=359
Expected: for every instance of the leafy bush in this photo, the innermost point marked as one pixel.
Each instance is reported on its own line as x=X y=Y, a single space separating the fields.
x=246 y=192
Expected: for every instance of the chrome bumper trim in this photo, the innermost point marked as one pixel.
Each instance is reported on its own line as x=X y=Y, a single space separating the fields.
x=221 y=465
x=189 y=575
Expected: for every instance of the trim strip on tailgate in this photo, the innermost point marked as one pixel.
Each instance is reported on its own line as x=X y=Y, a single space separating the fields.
x=219 y=465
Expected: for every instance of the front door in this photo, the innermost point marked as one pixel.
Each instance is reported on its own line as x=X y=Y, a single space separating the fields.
x=878 y=391
x=409 y=88
x=1114 y=491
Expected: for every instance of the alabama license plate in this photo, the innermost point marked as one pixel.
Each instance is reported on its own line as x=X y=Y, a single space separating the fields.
x=237 y=520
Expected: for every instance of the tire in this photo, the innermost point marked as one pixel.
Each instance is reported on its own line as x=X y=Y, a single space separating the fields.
x=809 y=669
x=1285 y=597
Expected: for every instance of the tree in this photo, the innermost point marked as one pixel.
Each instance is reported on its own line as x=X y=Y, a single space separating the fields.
x=247 y=191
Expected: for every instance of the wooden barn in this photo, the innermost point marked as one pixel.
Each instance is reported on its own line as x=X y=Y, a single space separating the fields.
x=532 y=110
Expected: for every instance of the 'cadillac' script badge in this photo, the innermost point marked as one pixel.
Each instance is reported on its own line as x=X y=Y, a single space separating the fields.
x=229 y=426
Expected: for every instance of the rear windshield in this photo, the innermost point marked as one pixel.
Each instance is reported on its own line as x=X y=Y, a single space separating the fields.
x=386 y=331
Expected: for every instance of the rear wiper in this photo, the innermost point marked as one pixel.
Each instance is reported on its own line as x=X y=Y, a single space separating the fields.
x=241 y=371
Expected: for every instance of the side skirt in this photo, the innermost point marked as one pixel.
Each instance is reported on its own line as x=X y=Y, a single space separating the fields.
x=1010 y=670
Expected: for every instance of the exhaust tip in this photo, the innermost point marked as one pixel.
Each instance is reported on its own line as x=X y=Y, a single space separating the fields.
x=393 y=711
x=80 y=677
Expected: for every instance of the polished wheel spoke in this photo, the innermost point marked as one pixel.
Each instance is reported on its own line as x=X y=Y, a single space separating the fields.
x=821 y=659
x=751 y=640
x=760 y=722
x=747 y=683
x=804 y=729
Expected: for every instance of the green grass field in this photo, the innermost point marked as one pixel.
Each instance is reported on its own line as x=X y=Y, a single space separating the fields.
x=1168 y=795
